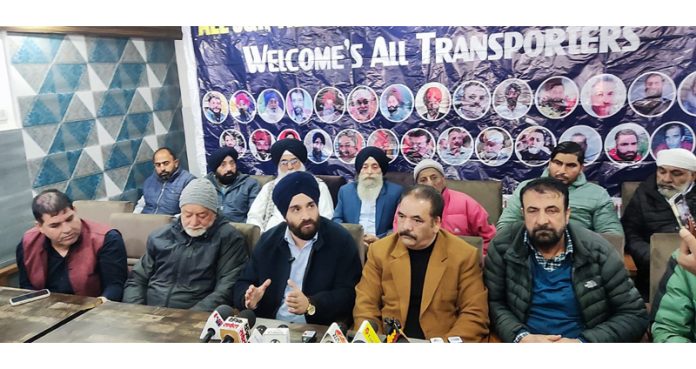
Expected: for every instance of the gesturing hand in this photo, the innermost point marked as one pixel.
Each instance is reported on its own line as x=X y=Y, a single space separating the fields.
x=254 y=294
x=296 y=300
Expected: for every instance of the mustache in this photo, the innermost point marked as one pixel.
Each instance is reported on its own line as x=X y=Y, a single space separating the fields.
x=407 y=234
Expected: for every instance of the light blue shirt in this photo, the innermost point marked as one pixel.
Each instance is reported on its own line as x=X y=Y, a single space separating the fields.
x=297 y=272
x=368 y=214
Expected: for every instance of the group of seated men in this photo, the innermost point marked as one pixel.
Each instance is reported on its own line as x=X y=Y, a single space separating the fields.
x=548 y=275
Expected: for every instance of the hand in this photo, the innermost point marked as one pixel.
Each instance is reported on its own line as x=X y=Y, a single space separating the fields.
x=101 y=300
x=540 y=338
x=296 y=300
x=687 y=251
x=568 y=340
x=254 y=294
x=368 y=239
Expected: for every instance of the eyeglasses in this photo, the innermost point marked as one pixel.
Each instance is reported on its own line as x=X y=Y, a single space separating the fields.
x=362 y=102
x=286 y=163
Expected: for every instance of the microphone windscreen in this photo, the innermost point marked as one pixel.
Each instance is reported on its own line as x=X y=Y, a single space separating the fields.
x=248 y=315
x=261 y=328
x=225 y=311
x=282 y=326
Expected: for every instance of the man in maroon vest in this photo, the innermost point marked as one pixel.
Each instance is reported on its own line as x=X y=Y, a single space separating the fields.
x=66 y=254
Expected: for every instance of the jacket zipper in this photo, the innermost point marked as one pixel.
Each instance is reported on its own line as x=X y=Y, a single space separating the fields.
x=176 y=272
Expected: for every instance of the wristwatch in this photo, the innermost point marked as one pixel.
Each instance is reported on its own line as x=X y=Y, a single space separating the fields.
x=311 y=309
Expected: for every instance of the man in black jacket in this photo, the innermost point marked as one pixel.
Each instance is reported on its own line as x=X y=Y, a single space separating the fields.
x=305 y=269
x=550 y=281
x=649 y=212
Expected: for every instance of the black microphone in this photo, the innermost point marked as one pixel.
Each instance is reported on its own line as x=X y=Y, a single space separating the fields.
x=215 y=321
x=292 y=258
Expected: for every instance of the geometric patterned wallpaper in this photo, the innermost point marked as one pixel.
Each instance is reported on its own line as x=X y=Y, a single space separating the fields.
x=94 y=110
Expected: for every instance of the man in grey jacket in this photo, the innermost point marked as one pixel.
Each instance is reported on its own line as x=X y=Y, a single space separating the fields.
x=550 y=281
x=236 y=191
x=193 y=262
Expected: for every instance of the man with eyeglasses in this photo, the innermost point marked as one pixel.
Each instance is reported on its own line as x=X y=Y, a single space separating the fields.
x=347 y=146
x=290 y=156
x=420 y=147
x=363 y=106
x=236 y=191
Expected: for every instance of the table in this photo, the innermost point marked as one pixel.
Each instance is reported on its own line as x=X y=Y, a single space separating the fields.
x=120 y=322
x=24 y=322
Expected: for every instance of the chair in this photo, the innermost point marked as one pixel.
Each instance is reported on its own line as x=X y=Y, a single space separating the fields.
x=356 y=230
x=251 y=234
x=135 y=229
x=616 y=241
x=662 y=245
x=477 y=242
x=627 y=191
x=487 y=193
x=404 y=179
x=100 y=211
x=262 y=179
x=334 y=184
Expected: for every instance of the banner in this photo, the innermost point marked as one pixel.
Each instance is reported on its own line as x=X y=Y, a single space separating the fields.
x=486 y=102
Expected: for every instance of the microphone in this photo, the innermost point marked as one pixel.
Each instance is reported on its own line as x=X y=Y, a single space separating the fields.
x=215 y=321
x=393 y=331
x=334 y=335
x=257 y=334
x=366 y=333
x=237 y=329
x=281 y=334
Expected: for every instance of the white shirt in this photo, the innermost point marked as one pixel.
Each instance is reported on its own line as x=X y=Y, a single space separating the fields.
x=298 y=266
x=368 y=214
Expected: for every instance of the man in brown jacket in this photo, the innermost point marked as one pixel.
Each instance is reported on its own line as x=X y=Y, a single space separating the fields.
x=426 y=278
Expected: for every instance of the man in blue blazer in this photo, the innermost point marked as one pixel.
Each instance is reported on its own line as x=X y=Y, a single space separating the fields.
x=370 y=201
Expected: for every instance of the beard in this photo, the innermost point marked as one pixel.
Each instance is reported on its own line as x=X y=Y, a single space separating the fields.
x=369 y=187
x=283 y=173
x=306 y=235
x=195 y=232
x=628 y=155
x=164 y=176
x=545 y=238
x=533 y=149
x=669 y=191
x=226 y=178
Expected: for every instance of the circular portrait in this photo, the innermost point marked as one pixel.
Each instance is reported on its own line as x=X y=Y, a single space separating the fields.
x=687 y=94
x=588 y=138
x=557 y=97
x=319 y=146
x=417 y=144
x=347 y=145
x=627 y=143
x=512 y=98
x=271 y=106
x=288 y=133
x=260 y=144
x=433 y=101
x=235 y=139
x=386 y=140
x=242 y=107
x=396 y=103
x=603 y=95
x=651 y=94
x=329 y=104
x=299 y=105
x=672 y=135
x=494 y=146
x=472 y=100
x=533 y=146
x=215 y=107
x=455 y=146
x=362 y=104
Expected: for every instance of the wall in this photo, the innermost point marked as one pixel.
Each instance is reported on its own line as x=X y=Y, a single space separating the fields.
x=88 y=113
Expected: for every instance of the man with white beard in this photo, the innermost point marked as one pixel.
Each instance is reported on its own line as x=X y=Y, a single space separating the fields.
x=193 y=262
x=370 y=201
x=289 y=155
x=649 y=212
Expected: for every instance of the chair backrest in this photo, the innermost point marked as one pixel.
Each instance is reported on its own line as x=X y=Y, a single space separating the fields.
x=616 y=240
x=627 y=191
x=334 y=184
x=100 y=211
x=662 y=245
x=404 y=179
x=356 y=230
x=251 y=234
x=487 y=193
x=135 y=229
x=262 y=179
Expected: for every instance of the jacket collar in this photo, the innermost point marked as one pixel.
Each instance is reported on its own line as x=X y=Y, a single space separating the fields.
x=400 y=265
